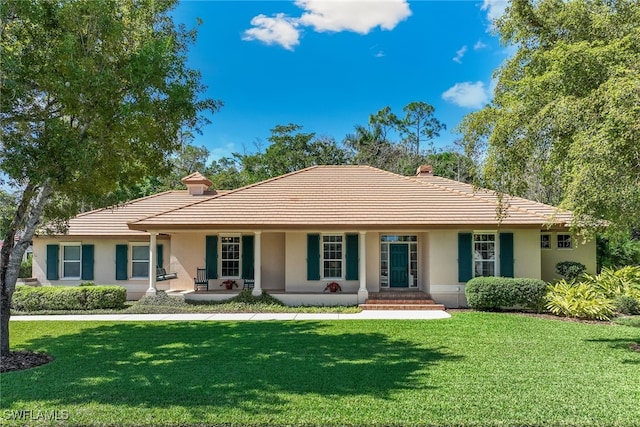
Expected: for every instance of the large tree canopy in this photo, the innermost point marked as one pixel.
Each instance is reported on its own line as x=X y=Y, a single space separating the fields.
x=564 y=124
x=93 y=95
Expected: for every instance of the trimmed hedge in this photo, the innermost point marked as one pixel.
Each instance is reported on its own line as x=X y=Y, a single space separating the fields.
x=28 y=298
x=492 y=293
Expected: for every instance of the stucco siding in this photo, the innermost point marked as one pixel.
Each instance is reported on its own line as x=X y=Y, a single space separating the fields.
x=584 y=253
x=526 y=253
x=104 y=264
x=273 y=261
x=296 y=268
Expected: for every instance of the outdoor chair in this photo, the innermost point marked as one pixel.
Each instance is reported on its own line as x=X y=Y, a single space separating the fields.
x=201 y=281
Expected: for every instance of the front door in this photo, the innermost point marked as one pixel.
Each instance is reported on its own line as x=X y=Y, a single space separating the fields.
x=399 y=265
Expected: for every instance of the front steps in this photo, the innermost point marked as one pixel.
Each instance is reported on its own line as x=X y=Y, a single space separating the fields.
x=400 y=300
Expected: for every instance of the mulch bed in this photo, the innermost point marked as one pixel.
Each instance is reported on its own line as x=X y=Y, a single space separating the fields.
x=635 y=347
x=20 y=360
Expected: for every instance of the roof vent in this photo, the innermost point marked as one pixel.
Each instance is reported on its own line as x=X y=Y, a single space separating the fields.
x=425 y=170
x=196 y=183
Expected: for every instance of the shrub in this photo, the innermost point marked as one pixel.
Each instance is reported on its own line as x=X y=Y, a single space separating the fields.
x=627 y=305
x=491 y=293
x=26 y=269
x=246 y=297
x=161 y=299
x=27 y=298
x=579 y=300
x=570 y=270
x=87 y=284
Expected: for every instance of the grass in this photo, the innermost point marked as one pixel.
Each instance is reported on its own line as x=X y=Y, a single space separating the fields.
x=475 y=369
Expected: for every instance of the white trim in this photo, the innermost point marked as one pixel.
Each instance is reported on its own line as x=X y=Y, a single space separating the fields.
x=222 y=236
x=342 y=260
x=130 y=263
x=570 y=242
x=496 y=251
x=62 y=261
x=550 y=241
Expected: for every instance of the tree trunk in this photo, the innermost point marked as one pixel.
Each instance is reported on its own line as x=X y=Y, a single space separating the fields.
x=27 y=217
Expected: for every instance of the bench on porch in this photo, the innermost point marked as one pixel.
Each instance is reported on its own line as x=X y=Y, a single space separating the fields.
x=161 y=274
x=201 y=281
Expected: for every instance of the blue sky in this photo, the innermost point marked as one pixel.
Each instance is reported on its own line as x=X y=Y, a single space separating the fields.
x=328 y=65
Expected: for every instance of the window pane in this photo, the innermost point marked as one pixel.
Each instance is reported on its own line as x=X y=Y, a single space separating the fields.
x=140 y=253
x=72 y=253
x=140 y=269
x=71 y=269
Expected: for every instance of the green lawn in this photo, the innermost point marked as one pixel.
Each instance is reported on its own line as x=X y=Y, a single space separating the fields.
x=475 y=369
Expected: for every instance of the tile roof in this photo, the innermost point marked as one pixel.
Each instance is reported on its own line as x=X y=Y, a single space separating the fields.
x=344 y=196
x=112 y=221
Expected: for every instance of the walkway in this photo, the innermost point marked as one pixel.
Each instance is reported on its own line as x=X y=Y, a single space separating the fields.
x=365 y=314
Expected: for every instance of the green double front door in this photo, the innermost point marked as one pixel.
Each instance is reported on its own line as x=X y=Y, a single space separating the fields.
x=399 y=265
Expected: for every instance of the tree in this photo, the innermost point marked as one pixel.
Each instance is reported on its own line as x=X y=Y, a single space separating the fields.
x=419 y=125
x=567 y=107
x=93 y=96
x=291 y=150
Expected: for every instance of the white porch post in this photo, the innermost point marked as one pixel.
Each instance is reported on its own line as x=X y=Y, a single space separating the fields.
x=153 y=256
x=363 y=294
x=257 y=265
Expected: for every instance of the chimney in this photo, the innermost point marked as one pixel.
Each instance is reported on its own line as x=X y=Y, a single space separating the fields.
x=425 y=170
x=196 y=183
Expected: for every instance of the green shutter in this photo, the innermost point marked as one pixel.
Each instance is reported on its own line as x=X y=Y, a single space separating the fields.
x=313 y=257
x=159 y=256
x=506 y=254
x=53 y=252
x=247 y=257
x=351 y=253
x=465 y=258
x=87 y=262
x=211 y=257
x=121 y=262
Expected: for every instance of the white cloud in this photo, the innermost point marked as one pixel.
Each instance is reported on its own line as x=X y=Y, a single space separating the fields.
x=279 y=29
x=479 y=45
x=459 y=54
x=380 y=54
x=359 y=16
x=495 y=8
x=467 y=94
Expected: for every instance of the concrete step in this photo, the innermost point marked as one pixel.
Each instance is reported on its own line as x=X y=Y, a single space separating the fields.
x=399 y=295
x=401 y=306
x=399 y=301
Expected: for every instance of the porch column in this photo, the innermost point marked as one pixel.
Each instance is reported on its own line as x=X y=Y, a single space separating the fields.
x=257 y=265
x=153 y=256
x=363 y=294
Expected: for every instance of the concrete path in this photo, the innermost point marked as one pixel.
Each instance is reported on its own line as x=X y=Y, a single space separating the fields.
x=365 y=314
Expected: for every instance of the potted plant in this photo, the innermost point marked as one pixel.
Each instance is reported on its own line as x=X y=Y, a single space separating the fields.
x=229 y=284
x=332 y=287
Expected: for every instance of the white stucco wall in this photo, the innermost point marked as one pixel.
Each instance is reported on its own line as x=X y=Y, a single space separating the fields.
x=296 y=268
x=104 y=263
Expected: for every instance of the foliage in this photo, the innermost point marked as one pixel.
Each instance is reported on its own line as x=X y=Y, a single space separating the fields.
x=26 y=268
x=28 y=298
x=492 y=293
x=503 y=369
x=617 y=251
x=290 y=150
x=567 y=106
x=87 y=284
x=246 y=297
x=579 y=300
x=161 y=299
x=627 y=305
x=93 y=97
x=570 y=270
